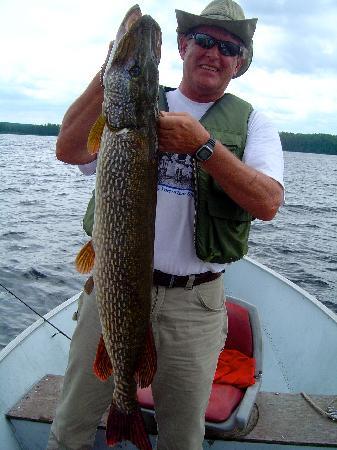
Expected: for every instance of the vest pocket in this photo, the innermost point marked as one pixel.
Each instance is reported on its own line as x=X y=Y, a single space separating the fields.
x=231 y=140
x=225 y=208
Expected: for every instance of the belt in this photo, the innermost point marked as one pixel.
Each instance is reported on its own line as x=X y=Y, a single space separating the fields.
x=187 y=281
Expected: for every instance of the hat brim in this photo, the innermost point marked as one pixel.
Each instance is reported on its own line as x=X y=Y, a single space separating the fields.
x=243 y=29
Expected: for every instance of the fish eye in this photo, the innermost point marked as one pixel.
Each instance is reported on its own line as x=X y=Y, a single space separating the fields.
x=135 y=71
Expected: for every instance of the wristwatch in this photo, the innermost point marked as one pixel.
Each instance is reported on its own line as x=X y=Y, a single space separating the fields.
x=205 y=151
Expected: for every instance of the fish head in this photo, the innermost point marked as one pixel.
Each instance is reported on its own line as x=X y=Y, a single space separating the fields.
x=131 y=77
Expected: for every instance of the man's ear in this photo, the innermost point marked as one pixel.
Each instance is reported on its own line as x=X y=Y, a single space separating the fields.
x=182 y=44
x=239 y=64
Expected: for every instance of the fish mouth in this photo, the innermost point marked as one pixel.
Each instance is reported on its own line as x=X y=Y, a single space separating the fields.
x=145 y=30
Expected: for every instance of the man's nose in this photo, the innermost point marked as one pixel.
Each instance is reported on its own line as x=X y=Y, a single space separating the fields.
x=213 y=52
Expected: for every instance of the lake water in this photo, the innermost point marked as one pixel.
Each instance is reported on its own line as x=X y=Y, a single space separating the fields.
x=43 y=202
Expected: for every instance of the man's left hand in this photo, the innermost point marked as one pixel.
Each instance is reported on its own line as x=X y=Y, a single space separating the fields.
x=180 y=133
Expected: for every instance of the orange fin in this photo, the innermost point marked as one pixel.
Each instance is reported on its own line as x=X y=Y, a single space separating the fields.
x=127 y=427
x=102 y=364
x=148 y=363
x=85 y=259
x=95 y=135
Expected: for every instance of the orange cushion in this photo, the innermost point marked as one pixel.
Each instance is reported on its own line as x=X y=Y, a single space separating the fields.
x=235 y=368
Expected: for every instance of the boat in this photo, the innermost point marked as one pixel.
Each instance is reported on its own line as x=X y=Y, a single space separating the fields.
x=296 y=399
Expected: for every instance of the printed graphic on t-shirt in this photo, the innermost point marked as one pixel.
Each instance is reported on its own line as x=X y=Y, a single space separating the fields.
x=175 y=174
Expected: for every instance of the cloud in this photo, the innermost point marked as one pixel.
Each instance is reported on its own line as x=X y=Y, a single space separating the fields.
x=19 y=107
x=299 y=36
x=295 y=102
x=51 y=49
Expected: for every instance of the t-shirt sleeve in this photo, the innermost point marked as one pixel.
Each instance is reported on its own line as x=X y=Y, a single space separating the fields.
x=263 y=149
x=89 y=168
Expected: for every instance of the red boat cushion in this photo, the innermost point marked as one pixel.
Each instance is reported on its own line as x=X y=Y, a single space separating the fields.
x=224 y=399
x=145 y=398
x=239 y=330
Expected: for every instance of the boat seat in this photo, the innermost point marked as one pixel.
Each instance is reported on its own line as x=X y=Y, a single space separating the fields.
x=230 y=407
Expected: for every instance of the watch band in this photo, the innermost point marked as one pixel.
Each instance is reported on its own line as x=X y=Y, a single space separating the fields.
x=204 y=152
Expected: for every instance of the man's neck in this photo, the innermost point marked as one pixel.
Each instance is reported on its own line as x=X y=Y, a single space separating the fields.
x=198 y=96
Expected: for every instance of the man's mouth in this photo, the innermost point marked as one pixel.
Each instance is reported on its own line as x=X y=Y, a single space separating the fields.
x=210 y=68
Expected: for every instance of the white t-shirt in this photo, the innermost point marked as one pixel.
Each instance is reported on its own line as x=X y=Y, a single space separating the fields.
x=174 y=250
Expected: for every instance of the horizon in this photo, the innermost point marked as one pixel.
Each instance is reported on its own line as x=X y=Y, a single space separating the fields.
x=59 y=125
x=55 y=49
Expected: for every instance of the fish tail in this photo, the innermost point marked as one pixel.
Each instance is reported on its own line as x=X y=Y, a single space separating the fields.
x=102 y=364
x=148 y=362
x=85 y=259
x=127 y=427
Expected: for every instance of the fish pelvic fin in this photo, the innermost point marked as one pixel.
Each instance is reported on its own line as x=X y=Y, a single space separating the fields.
x=89 y=285
x=102 y=364
x=127 y=427
x=148 y=362
x=85 y=259
x=95 y=135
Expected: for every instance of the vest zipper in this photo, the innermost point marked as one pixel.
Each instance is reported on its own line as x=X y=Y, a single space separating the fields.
x=196 y=204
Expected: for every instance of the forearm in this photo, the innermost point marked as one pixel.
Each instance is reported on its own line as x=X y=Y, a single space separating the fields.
x=71 y=145
x=254 y=191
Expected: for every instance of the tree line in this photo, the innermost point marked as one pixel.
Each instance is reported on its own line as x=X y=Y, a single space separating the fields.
x=49 y=129
x=291 y=142
x=309 y=143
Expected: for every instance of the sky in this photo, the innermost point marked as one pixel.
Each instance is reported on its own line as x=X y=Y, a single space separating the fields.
x=51 y=49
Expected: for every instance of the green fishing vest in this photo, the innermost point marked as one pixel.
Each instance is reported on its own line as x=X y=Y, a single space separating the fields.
x=221 y=226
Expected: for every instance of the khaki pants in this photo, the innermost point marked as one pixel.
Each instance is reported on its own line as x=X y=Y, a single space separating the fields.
x=189 y=328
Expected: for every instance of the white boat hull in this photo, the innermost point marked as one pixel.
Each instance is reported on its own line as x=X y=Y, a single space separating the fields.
x=299 y=338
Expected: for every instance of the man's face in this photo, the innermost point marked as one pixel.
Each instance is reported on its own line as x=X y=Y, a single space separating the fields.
x=207 y=72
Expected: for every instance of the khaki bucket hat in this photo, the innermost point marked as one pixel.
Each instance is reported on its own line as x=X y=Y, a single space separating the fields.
x=224 y=14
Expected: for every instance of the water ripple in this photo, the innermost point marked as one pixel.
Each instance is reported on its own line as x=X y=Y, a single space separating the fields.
x=43 y=202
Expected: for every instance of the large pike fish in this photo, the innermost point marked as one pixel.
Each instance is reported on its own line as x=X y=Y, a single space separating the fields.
x=123 y=235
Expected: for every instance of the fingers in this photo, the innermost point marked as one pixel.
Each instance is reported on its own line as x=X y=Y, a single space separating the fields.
x=180 y=133
x=167 y=113
x=170 y=120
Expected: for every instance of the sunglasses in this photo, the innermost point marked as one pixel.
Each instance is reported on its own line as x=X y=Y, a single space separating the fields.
x=226 y=48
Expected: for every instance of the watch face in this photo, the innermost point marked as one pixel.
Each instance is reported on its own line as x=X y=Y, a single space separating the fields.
x=204 y=153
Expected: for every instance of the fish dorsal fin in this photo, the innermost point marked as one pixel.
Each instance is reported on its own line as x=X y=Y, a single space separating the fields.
x=102 y=365
x=95 y=135
x=148 y=363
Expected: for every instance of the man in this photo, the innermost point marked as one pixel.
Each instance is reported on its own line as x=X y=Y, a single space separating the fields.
x=221 y=166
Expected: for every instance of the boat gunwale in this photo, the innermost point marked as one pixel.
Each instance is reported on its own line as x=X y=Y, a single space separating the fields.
x=303 y=293
x=18 y=340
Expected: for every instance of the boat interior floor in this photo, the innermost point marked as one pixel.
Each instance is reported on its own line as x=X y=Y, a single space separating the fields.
x=286 y=419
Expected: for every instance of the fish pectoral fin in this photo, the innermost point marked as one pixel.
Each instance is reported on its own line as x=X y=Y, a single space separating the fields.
x=148 y=362
x=127 y=427
x=95 y=135
x=85 y=259
x=102 y=364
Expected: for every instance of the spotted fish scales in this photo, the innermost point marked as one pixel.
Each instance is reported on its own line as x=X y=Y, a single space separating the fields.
x=123 y=235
